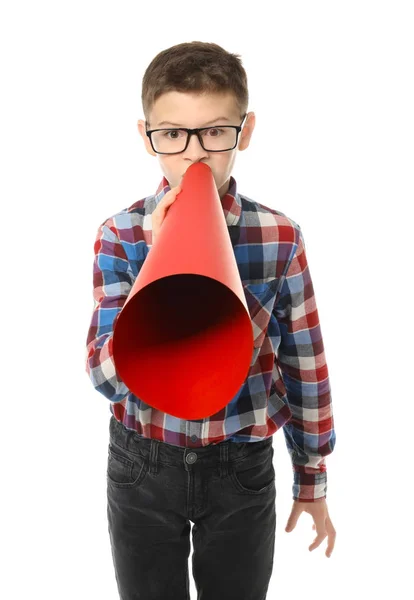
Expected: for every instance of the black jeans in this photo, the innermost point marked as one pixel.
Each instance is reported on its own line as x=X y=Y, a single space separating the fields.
x=155 y=489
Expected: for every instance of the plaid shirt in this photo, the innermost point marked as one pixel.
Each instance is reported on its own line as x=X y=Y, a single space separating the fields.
x=287 y=384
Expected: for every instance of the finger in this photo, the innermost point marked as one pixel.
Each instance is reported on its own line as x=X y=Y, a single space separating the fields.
x=163 y=206
x=321 y=532
x=170 y=196
x=317 y=541
x=292 y=520
x=331 y=539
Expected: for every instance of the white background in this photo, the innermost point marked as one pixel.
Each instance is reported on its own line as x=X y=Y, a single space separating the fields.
x=331 y=84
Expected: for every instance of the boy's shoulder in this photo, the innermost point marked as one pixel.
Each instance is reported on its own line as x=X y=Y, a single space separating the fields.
x=281 y=219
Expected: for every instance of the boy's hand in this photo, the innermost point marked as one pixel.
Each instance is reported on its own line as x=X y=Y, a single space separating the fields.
x=322 y=522
x=160 y=212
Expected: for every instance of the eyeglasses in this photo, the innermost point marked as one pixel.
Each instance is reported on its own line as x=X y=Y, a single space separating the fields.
x=220 y=138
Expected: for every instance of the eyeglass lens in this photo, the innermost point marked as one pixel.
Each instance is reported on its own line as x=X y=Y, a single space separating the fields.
x=175 y=140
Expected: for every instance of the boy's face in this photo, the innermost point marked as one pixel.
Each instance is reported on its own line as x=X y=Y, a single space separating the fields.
x=185 y=109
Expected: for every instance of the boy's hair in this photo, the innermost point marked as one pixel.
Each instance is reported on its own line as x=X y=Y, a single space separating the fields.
x=194 y=67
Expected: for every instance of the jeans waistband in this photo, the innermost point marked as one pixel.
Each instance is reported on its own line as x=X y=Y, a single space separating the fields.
x=155 y=450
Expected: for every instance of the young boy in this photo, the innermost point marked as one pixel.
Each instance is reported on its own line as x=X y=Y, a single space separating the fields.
x=217 y=472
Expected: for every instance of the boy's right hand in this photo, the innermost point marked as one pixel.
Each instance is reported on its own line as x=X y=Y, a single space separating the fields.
x=160 y=212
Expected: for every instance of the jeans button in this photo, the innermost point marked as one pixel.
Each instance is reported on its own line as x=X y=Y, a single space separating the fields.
x=191 y=458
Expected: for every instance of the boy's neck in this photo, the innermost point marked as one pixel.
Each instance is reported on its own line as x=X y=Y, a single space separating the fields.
x=224 y=189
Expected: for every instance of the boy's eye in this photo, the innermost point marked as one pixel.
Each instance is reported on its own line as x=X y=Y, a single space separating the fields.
x=174 y=131
x=216 y=131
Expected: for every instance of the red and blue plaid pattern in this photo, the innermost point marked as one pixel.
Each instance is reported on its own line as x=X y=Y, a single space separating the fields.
x=288 y=383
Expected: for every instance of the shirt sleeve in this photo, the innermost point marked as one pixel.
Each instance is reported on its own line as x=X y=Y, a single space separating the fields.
x=112 y=281
x=310 y=434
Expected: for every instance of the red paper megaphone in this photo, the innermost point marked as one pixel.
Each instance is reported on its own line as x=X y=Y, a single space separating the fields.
x=183 y=341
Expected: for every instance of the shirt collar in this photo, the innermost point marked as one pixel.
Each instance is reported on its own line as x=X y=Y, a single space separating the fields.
x=230 y=202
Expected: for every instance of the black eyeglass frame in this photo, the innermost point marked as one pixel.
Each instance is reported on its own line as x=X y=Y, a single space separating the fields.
x=196 y=131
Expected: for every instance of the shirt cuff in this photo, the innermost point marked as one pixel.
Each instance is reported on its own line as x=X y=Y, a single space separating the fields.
x=309 y=485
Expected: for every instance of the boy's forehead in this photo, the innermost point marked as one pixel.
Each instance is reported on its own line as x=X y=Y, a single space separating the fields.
x=193 y=109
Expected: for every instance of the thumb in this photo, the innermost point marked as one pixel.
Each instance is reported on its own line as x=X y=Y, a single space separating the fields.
x=291 y=524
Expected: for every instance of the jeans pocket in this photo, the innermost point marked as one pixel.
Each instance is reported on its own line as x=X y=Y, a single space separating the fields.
x=124 y=469
x=254 y=473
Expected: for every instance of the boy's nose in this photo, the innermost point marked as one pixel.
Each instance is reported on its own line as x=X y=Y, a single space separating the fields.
x=194 y=148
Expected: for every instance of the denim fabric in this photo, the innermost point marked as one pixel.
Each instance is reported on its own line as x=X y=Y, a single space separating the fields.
x=154 y=491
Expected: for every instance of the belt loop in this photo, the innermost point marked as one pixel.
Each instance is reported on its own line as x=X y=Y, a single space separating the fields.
x=153 y=467
x=224 y=457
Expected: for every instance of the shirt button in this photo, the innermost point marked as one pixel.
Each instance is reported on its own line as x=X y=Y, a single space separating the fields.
x=191 y=458
x=194 y=438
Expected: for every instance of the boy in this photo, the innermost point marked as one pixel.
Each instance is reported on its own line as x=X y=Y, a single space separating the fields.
x=217 y=472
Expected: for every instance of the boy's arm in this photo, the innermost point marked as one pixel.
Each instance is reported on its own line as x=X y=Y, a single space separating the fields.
x=112 y=282
x=310 y=434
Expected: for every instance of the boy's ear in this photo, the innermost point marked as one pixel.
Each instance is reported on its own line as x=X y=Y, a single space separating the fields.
x=141 y=129
x=246 y=132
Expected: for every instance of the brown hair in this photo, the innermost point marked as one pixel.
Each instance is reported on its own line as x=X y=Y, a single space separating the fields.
x=194 y=67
